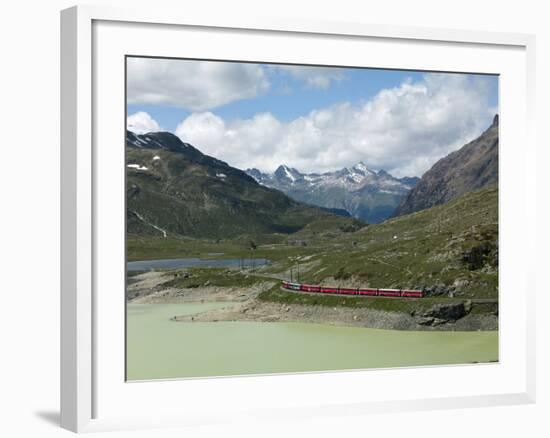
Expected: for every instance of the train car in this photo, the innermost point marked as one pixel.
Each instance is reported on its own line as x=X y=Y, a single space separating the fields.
x=368 y=292
x=348 y=291
x=310 y=288
x=412 y=293
x=389 y=292
x=407 y=293
x=291 y=286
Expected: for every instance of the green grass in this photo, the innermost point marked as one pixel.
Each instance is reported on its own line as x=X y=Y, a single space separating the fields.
x=401 y=305
x=419 y=250
x=221 y=277
x=422 y=249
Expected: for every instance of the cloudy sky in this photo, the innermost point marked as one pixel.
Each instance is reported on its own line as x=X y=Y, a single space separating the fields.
x=315 y=119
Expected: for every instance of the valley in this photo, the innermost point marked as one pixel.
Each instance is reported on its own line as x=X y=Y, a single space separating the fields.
x=427 y=250
x=186 y=207
x=301 y=218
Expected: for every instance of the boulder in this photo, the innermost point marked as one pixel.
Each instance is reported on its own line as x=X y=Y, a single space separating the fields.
x=443 y=313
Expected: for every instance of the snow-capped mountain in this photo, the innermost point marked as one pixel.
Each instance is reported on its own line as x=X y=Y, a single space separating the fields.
x=365 y=193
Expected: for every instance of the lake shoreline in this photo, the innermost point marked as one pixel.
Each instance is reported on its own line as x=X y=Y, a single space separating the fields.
x=158 y=347
x=258 y=311
x=244 y=305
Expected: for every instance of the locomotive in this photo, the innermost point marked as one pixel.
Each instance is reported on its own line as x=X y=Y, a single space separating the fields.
x=372 y=292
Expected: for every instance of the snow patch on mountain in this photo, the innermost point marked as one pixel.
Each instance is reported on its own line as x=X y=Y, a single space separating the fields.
x=137 y=167
x=357 y=189
x=288 y=174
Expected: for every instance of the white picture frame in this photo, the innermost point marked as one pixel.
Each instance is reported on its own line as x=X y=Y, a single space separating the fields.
x=91 y=392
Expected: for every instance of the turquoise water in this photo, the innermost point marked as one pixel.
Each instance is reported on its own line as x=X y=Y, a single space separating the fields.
x=160 y=348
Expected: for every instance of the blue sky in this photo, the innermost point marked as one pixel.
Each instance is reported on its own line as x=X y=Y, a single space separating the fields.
x=289 y=98
x=256 y=115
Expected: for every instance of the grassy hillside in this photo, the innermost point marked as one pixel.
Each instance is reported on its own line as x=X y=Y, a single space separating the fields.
x=452 y=247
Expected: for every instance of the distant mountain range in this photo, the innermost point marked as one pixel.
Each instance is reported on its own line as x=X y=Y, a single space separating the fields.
x=174 y=189
x=472 y=167
x=369 y=195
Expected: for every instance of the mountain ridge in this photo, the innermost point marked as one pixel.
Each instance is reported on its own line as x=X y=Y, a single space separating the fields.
x=173 y=188
x=472 y=167
x=366 y=194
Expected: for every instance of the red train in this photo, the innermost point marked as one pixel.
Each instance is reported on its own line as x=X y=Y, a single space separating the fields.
x=373 y=292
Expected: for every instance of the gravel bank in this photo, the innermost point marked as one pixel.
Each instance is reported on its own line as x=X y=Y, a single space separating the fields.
x=255 y=310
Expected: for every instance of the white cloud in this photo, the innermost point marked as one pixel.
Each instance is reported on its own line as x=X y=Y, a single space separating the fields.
x=194 y=85
x=403 y=130
x=243 y=143
x=314 y=77
x=141 y=123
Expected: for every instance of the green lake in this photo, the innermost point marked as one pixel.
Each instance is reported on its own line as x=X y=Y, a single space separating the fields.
x=160 y=348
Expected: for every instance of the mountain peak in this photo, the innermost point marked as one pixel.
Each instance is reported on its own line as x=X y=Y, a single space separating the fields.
x=287 y=168
x=472 y=167
x=364 y=193
x=362 y=167
x=255 y=173
x=285 y=172
x=156 y=140
x=169 y=142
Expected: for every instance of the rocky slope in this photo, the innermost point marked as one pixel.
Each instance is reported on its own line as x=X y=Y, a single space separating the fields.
x=366 y=194
x=473 y=167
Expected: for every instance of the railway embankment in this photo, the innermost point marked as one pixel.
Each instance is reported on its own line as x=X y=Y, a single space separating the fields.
x=261 y=300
